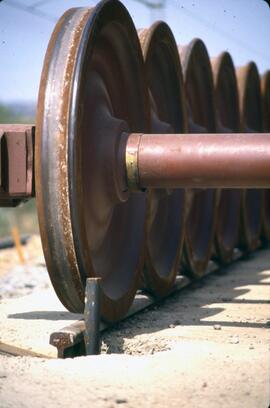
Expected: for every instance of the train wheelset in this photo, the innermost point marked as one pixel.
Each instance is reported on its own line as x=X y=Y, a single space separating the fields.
x=139 y=167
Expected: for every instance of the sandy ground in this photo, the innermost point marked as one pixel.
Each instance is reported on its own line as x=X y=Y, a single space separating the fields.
x=207 y=346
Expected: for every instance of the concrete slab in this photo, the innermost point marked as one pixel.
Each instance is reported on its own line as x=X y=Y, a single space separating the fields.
x=235 y=301
x=27 y=322
x=214 y=340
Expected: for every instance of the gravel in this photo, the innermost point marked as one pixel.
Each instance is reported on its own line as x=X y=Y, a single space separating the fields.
x=23 y=279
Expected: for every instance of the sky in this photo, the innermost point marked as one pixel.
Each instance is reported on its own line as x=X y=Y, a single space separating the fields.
x=241 y=27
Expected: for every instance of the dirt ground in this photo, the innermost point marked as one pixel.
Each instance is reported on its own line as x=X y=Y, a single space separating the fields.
x=206 y=346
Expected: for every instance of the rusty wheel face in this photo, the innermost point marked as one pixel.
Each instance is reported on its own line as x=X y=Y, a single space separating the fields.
x=165 y=208
x=265 y=88
x=227 y=108
x=92 y=90
x=250 y=120
x=200 y=224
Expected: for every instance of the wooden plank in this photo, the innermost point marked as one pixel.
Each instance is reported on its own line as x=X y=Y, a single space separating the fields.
x=18 y=351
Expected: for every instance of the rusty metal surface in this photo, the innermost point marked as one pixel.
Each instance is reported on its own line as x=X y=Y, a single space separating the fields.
x=265 y=89
x=227 y=110
x=165 y=208
x=93 y=74
x=203 y=160
x=92 y=316
x=52 y=191
x=16 y=164
x=250 y=121
x=200 y=226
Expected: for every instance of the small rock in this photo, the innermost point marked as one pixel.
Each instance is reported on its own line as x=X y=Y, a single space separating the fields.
x=121 y=401
x=171 y=326
x=251 y=347
x=204 y=384
x=217 y=327
x=234 y=340
x=177 y=322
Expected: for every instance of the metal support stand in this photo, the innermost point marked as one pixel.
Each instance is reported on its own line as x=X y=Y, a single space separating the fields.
x=92 y=316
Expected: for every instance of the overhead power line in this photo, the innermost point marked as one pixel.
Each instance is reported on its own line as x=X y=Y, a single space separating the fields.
x=39 y=3
x=152 y=4
x=30 y=10
x=220 y=31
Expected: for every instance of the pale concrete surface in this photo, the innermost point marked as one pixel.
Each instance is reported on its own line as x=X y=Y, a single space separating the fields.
x=27 y=322
x=204 y=347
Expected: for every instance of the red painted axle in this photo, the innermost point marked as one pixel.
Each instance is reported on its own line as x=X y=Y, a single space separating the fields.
x=152 y=161
x=198 y=160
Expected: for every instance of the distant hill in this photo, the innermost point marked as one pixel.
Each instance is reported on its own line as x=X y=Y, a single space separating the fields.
x=17 y=112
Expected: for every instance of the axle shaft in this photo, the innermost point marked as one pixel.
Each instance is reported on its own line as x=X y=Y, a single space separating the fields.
x=228 y=160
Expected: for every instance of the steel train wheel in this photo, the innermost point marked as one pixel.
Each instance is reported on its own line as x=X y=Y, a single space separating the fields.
x=229 y=202
x=200 y=225
x=92 y=90
x=165 y=208
x=250 y=119
x=265 y=88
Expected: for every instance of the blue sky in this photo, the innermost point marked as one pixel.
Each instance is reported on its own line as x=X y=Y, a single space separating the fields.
x=241 y=27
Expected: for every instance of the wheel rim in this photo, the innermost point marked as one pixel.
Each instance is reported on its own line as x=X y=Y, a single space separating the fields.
x=165 y=209
x=200 y=224
x=265 y=88
x=250 y=119
x=105 y=95
x=227 y=108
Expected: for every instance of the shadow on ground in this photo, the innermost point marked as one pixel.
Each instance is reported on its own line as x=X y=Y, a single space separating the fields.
x=187 y=307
